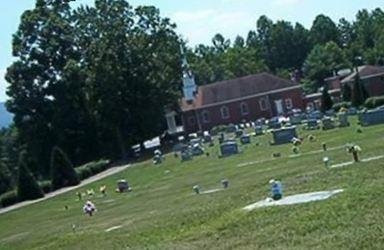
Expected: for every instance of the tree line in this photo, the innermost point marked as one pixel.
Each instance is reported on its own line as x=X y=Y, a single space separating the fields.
x=290 y=50
x=90 y=82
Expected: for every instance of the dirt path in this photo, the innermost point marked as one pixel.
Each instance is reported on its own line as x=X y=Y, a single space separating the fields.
x=94 y=178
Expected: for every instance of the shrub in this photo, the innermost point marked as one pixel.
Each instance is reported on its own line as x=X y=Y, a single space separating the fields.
x=9 y=198
x=326 y=100
x=62 y=171
x=374 y=102
x=338 y=106
x=92 y=168
x=27 y=187
x=46 y=186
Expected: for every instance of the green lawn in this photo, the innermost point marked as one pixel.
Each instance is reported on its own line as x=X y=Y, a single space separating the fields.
x=163 y=213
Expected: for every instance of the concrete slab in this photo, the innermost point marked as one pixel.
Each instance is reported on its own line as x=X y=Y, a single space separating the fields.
x=294 y=199
x=113 y=228
x=348 y=163
x=212 y=191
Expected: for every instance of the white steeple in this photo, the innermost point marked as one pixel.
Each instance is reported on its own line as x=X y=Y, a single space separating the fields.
x=189 y=85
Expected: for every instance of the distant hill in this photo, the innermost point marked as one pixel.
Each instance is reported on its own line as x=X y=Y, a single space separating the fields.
x=5 y=116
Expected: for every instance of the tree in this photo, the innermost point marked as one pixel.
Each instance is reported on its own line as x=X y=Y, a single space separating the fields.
x=347 y=33
x=326 y=100
x=359 y=93
x=5 y=178
x=132 y=65
x=324 y=61
x=220 y=43
x=44 y=45
x=324 y=30
x=346 y=93
x=62 y=172
x=27 y=186
x=264 y=33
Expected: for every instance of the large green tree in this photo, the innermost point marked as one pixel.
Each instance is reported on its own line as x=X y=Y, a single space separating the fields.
x=324 y=30
x=42 y=97
x=324 y=61
x=132 y=64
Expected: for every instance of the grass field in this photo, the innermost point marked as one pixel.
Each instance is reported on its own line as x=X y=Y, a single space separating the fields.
x=163 y=213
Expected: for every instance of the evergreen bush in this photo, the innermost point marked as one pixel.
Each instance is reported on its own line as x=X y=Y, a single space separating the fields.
x=27 y=186
x=62 y=172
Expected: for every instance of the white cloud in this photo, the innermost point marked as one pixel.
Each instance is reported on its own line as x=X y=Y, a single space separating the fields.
x=201 y=25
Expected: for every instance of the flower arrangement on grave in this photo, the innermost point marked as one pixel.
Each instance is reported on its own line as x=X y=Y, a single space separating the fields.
x=354 y=150
x=196 y=188
x=295 y=150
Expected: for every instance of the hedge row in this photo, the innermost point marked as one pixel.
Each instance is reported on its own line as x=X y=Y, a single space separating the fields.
x=92 y=168
x=9 y=198
x=374 y=102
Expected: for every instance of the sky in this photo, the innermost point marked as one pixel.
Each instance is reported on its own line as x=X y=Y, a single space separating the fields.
x=199 y=20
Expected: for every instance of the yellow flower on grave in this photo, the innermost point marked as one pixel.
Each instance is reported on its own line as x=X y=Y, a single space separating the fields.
x=357 y=148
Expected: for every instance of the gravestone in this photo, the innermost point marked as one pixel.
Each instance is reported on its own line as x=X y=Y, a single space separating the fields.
x=328 y=123
x=245 y=139
x=343 y=120
x=295 y=119
x=157 y=159
x=371 y=117
x=195 y=141
x=207 y=138
x=197 y=150
x=225 y=183
x=123 y=186
x=229 y=148
x=330 y=113
x=186 y=155
x=221 y=138
x=284 y=135
x=231 y=128
x=179 y=147
x=260 y=122
x=196 y=188
x=315 y=115
x=274 y=123
x=259 y=130
x=239 y=133
x=352 y=111
x=312 y=124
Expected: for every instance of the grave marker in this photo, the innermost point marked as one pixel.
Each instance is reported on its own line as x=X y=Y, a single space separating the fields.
x=328 y=123
x=312 y=124
x=245 y=139
x=371 y=117
x=284 y=135
x=229 y=148
x=259 y=130
x=343 y=120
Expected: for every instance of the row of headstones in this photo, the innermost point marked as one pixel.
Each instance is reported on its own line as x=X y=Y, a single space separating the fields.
x=371 y=117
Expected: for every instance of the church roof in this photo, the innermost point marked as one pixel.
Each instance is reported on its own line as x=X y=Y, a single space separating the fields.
x=239 y=88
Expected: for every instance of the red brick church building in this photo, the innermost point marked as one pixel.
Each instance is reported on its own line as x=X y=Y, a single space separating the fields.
x=251 y=97
x=242 y=99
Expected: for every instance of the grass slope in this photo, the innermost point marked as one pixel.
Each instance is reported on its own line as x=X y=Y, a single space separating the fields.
x=163 y=213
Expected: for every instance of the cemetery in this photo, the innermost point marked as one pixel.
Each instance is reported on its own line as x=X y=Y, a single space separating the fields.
x=189 y=198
